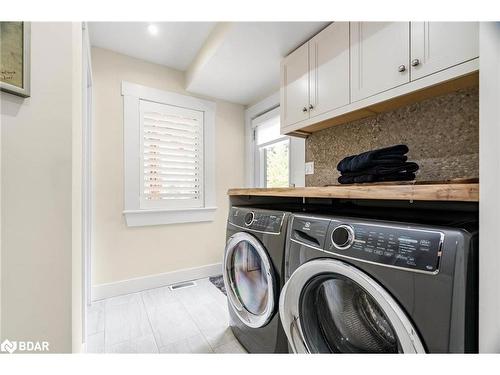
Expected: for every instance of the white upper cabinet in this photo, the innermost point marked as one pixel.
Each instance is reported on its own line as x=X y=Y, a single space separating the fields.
x=347 y=70
x=295 y=86
x=329 y=69
x=439 y=45
x=380 y=55
x=315 y=77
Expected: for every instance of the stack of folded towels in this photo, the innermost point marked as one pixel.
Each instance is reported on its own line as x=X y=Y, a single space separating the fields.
x=385 y=164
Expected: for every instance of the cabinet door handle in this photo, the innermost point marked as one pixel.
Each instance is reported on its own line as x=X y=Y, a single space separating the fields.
x=311 y=106
x=401 y=68
x=304 y=109
x=415 y=62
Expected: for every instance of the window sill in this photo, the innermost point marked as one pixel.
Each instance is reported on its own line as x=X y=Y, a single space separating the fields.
x=139 y=218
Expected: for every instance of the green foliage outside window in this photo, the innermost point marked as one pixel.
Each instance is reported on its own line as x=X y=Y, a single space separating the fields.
x=277 y=161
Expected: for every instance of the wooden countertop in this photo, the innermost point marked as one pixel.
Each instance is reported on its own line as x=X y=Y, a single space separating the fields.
x=464 y=192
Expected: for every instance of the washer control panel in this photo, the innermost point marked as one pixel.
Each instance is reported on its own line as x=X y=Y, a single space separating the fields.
x=397 y=246
x=257 y=220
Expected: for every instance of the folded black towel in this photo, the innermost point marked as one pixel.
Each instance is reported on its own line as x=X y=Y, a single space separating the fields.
x=376 y=178
x=385 y=169
x=365 y=160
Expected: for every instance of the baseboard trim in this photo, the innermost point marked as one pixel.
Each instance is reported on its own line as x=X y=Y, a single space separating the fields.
x=139 y=284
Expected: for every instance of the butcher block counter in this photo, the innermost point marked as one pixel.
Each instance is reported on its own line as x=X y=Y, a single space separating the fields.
x=456 y=192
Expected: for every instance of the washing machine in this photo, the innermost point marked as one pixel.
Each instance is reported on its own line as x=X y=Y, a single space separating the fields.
x=358 y=285
x=253 y=277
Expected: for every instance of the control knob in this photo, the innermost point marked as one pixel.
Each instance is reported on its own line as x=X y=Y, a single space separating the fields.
x=249 y=218
x=343 y=237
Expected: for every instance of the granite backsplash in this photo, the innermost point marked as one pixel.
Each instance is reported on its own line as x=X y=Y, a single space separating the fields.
x=442 y=134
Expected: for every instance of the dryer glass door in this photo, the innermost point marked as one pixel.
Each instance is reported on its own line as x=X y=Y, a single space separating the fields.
x=249 y=279
x=338 y=316
x=328 y=306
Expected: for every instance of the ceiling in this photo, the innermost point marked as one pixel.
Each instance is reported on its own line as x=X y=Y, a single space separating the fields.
x=175 y=45
x=237 y=61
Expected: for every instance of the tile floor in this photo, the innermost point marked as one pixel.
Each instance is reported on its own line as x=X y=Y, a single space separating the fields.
x=189 y=320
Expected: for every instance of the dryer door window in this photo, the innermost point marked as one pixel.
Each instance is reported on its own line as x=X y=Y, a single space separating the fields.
x=338 y=316
x=249 y=279
x=328 y=306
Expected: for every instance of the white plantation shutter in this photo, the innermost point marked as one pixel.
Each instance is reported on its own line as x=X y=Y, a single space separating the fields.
x=169 y=157
x=171 y=152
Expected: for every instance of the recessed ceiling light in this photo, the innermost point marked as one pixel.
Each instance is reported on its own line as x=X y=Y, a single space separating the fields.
x=153 y=29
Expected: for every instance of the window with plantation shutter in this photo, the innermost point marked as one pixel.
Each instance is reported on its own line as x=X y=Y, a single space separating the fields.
x=169 y=157
x=172 y=156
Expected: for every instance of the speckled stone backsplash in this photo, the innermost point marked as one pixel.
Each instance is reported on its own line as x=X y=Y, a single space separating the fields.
x=442 y=134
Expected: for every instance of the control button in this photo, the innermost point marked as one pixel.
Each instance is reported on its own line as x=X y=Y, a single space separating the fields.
x=343 y=237
x=249 y=218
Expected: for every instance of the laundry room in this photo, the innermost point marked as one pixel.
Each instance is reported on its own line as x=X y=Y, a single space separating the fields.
x=346 y=232
x=250 y=186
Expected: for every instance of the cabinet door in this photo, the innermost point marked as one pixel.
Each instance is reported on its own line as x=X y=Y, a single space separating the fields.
x=439 y=45
x=295 y=86
x=380 y=54
x=329 y=64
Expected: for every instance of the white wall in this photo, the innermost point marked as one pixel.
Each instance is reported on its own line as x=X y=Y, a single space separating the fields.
x=77 y=281
x=122 y=253
x=489 y=174
x=36 y=187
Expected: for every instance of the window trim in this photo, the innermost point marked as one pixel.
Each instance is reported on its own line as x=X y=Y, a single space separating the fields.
x=297 y=145
x=135 y=216
x=259 y=151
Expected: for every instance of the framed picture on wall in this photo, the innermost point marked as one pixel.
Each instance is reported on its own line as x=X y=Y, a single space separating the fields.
x=15 y=58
